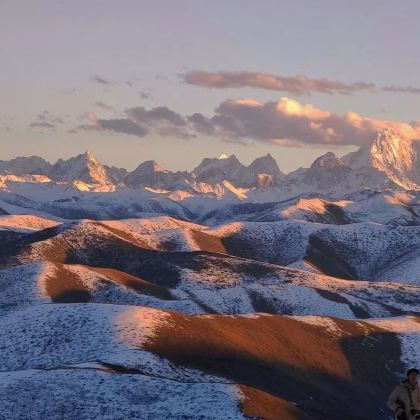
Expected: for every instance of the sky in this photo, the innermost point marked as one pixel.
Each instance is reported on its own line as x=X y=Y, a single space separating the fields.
x=177 y=81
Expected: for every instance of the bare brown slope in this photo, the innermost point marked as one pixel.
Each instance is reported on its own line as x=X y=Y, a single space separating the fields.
x=134 y=283
x=90 y=243
x=64 y=286
x=206 y=242
x=328 y=377
x=125 y=235
x=262 y=405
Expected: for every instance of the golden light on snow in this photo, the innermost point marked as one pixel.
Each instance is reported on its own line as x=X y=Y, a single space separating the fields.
x=138 y=325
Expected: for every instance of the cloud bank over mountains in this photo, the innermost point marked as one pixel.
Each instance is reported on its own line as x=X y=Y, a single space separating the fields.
x=284 y=122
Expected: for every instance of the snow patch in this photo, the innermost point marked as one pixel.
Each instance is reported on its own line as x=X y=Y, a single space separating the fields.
x=137 y=326
x=325 y=323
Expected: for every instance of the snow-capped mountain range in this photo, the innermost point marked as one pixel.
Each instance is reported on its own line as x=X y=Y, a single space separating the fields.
x=390 y=161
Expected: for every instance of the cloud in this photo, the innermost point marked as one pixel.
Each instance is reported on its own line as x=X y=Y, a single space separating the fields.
x=161 y=120
x=161 y=114
x=95 y=78
x=139 y=121
x=284 y=122
x=122 y=125
x=201 y=124
x=144 y=95
x=42 y=124
x=46 y=116
x=69 y=91
x=296 y=85
x=102 y=105
x=401 y=89
x=288 y=121
x=47 y=121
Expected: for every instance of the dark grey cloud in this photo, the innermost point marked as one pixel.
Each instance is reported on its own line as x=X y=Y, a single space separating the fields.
x=161 y=114
x=103 y=105
x=42 y=124
x=161 y=77
x=95 y=78
x=139 y=121
x=122 y=125
x=47 y=117
x=401 y=89
x=144 y=95
x=296 y=85
x=47 y=121
x=69 y=91
x=201 y=124
x=162 y=121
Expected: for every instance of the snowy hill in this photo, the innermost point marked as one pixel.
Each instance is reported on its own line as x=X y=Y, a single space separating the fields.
x=232 y=291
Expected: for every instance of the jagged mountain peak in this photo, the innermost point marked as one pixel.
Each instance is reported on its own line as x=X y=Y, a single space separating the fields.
x=150 y=173
x=267 y=158
x=327 y=161
x=388 y=138
x=385 y=145
x=397 y=157
x=149 y=166
x=22 y=165
x=386 y=134
x=89 y=155
x=223 y=159
x=266 y=165
x=391 y=154
x=326 y=172
x=84 y=167
x=81 y=157
x=216 y=164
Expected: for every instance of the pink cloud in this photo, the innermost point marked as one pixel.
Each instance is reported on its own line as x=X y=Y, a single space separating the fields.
x=288 y=121
x=297 y=85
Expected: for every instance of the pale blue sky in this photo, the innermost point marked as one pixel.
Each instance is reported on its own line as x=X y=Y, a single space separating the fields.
x=51 y=49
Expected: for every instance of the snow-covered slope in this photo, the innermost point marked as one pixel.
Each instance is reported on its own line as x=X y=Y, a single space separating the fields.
x=230 y=292
x=25 y=223
x=150 y=363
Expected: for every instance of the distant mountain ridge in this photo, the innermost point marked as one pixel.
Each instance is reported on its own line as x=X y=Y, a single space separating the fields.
x=389 y=161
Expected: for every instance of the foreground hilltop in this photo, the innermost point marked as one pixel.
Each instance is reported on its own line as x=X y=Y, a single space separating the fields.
x=156 y=317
